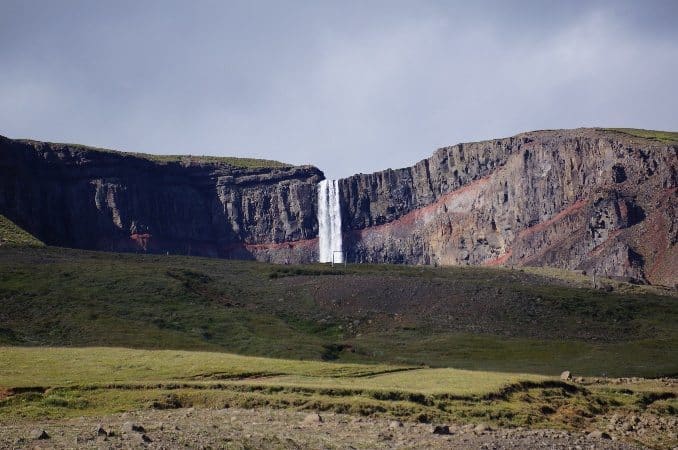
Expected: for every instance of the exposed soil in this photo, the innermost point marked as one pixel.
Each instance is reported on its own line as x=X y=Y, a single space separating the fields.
x=264 y=428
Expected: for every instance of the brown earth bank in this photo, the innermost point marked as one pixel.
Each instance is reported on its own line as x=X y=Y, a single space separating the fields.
x=287 y=429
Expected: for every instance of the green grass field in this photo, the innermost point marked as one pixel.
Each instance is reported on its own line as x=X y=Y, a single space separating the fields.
x=482 y=319
x=666 y=137
x=93 y=333
x=248 y=163
x=12 y=235
x=40 y=383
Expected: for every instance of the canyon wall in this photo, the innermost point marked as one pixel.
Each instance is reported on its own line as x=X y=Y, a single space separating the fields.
x=586 y=199
x=76 y=196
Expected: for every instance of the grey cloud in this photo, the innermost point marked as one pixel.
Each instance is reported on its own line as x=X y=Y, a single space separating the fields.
x=347 y=86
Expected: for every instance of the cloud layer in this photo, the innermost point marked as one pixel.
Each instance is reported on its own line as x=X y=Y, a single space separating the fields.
x=347 y=86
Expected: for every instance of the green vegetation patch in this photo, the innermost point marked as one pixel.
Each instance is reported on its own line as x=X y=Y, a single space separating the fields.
x=13 y=235
x=665 y=137
x=53 y=383
x=246 y=163
x=477 y=319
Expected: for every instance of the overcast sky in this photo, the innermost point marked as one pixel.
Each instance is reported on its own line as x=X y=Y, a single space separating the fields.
x=349 y=86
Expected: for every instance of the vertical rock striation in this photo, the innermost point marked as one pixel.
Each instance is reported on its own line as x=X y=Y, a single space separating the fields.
x=80 y=197
x=578 y=199
x=591 y=199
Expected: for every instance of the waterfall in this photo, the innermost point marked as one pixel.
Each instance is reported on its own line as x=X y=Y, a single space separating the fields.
x=329 y=222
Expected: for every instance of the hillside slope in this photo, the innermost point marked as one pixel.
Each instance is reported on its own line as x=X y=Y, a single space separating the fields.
x=474 y=318
x=12 y=235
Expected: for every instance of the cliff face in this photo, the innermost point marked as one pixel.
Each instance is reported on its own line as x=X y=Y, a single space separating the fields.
x=590 y=199
x=78 y=197
x=577 y=199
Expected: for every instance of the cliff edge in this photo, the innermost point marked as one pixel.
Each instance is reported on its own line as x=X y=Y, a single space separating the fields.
x=82 y=197
x=599 y=200
x=591 y=199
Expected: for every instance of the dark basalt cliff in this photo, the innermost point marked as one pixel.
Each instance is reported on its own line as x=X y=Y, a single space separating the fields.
x=80 y=197
x=591 y=199
x=578 y=199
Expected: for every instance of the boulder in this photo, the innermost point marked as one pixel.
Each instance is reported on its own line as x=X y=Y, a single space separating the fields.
x=395 y=424
x=39 y=434
x=131 y=427
x=141 y=438
x=441 y=429
x=482 y=428
x=566 y=375
x=312 y=418
x=597 y=434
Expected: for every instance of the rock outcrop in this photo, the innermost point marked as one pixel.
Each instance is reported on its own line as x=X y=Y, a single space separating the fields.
x=80 y=197
x=590 y=199
x=598 y=200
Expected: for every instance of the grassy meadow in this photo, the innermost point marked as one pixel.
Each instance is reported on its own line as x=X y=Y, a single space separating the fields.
x=239 y=162
x=520 y=321
x=666 y=137
x=93 y=333
x=12 y=235
x=57 y=382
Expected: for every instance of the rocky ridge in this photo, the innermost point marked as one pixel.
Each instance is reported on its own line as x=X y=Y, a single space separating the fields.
x=80 y=197
x=600 y=201
x=588 y=199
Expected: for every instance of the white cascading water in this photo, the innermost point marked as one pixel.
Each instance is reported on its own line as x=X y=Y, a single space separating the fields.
x=329 y=222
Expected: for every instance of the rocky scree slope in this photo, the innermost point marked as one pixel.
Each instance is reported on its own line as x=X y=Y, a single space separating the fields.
x=592 y=199
x=76 y=196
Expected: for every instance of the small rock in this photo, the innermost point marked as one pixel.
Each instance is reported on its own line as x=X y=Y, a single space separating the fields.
x=566 y=375
x=441 y=429
x=312 y=418
x=384 y=437
x=39 y=434
x=395 y=424
x=598 y=435
x=481 y=428
x=142 y=438
x=130 y=427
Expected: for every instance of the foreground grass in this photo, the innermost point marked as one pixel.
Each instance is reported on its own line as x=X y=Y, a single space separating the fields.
x=131 y=375
x=54 y=383
x=452 y=382
x=49 y=366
